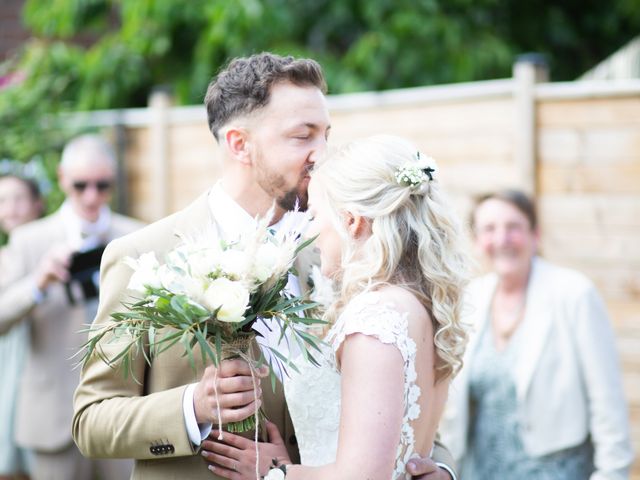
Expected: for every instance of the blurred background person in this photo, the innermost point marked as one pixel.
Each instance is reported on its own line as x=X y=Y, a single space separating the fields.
x=40 y=292
x=540 y=395
x=20 y=202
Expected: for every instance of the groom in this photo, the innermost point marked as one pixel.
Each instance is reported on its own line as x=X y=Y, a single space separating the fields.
x=270 y=118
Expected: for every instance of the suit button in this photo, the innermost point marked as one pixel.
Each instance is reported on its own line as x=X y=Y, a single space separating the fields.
x=153 y=450
x=293 y=440
x=171 y=449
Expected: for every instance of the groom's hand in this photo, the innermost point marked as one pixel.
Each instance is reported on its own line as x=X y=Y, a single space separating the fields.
x=226 y=394
x=235 y=458
x=426 y=469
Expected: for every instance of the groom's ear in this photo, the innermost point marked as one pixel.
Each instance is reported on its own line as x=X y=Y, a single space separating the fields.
x=237 y=141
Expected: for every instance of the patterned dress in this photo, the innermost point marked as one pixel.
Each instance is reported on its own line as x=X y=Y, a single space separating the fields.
x=495 y=446
x=13 y=348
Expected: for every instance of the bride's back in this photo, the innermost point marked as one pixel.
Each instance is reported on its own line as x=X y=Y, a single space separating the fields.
x=433 y=394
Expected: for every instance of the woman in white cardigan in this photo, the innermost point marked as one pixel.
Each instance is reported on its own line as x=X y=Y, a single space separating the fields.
x=540 y=395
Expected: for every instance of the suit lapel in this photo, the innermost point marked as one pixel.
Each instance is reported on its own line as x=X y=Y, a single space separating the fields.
x=534 y=330
x=195 y=218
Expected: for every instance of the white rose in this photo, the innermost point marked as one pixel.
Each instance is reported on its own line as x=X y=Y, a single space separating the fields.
x=178 y=256
x=179 y=283
x=265 y=262
x=194 y=289
x=231 y=297
x=235 y=263
x=202 y=262
x=145 y=274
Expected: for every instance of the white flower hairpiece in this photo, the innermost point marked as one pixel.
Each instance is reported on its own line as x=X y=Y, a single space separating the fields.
x=418 y=173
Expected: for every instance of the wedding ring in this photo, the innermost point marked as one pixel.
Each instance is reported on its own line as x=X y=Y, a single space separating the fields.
x=235 y=467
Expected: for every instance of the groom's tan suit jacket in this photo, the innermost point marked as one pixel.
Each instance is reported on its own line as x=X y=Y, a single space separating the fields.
x=117 y=417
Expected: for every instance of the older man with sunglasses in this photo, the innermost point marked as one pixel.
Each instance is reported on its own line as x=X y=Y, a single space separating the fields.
x=52 y=285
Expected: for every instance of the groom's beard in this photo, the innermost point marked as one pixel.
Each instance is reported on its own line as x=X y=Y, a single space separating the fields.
x=274 y=184
x=294 y=199
x=298 y=197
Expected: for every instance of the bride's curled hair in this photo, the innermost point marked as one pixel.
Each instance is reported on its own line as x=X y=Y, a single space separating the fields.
x=415 y=241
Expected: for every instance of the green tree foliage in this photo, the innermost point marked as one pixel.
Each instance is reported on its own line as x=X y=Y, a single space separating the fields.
x=97 y=54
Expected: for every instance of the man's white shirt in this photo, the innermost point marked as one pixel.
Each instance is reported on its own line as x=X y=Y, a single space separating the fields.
x=232 y=221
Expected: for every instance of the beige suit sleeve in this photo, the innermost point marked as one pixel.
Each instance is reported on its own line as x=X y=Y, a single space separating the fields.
x=113 y=415
x=442 y=456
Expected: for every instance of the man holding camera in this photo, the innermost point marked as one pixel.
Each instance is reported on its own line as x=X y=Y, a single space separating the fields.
x=51 y=278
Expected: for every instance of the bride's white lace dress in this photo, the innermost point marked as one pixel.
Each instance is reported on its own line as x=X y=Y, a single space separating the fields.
x=313 y=394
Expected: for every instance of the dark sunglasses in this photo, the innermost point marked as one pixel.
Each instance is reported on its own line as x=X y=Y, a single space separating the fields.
x=100 y=185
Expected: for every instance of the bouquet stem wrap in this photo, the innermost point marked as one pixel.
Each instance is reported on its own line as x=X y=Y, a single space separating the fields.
x=240 y=347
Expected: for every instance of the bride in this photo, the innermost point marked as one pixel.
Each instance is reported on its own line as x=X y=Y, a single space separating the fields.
x=391 y=244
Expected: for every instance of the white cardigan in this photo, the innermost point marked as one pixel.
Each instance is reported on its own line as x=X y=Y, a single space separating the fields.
x=567 y=375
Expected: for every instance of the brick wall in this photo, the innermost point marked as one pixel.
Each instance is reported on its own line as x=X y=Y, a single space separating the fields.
x=12 y=33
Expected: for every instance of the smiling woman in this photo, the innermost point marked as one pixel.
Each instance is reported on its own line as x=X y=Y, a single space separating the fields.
x=540 y=395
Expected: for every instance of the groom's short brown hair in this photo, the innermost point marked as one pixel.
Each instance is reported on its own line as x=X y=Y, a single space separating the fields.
x=245 y=85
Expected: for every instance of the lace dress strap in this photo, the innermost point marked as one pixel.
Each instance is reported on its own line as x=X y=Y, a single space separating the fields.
x=370 y=315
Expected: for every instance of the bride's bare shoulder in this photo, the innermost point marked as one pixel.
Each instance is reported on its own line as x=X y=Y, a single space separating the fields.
x=401 y=299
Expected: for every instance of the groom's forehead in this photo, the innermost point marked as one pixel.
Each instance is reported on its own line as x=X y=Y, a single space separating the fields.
x=298 y=108
x=286 y=95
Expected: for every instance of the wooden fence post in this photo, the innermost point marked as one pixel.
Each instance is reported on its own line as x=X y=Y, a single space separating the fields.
x=528 y=70
x=160 y=104
x=119 y=133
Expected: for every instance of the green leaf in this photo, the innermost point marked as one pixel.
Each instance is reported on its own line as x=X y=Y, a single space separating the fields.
x=297 y=308
x=305 y=244
x=185 y=340
x=217 y=359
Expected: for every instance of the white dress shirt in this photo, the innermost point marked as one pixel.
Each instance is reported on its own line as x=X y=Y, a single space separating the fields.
x=232 y=221
x=82 y=234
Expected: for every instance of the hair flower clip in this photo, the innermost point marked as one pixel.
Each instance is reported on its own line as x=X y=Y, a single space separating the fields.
x=415 y=174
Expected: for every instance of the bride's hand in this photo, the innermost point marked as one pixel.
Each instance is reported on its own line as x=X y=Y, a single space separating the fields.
x=234 y=457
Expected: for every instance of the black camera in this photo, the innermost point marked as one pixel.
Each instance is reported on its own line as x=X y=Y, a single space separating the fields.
x=85 y=270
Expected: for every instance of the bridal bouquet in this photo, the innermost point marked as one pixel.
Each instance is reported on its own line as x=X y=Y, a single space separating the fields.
x=209 y=293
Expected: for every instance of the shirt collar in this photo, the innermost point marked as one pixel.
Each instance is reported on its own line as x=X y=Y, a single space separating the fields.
x=82 y=234
x=231 y=219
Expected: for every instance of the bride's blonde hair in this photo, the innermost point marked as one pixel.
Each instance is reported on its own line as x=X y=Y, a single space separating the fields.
x=415 y=241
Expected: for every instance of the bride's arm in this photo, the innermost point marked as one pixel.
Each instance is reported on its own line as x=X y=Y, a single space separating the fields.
x=371 y=413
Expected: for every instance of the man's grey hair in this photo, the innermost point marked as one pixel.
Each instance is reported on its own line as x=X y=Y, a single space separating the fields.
x=91 y=147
